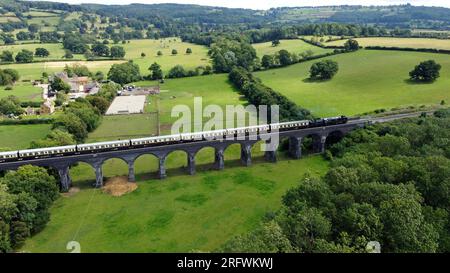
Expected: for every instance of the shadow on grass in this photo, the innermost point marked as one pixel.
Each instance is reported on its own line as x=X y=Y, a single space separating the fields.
x=417 y=82
x=282 y=156
x=315 y=80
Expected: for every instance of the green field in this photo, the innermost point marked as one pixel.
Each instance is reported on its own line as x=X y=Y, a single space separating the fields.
x=124 y=126
x=25 y=91
x=14 y=137
x=33 y=71
x=133 y=50
x=213 y=89
x=367 y=80
x=167 y=60
x=293 y=46
x=398 y=42
x=180 y=214
x=56 y=50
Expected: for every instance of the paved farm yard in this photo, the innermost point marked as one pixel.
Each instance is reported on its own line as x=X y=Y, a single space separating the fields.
x=127 y=105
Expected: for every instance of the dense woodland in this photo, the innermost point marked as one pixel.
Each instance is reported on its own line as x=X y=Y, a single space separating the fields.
x=389 y=183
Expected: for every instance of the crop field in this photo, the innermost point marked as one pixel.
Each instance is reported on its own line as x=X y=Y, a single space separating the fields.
x=25 y=91
x=180 y=214
x=32 y=71
x=14 y=137
x=293 y=46
x=367 y=80
x=151 y=47
x=399 y=42
x=8 y=18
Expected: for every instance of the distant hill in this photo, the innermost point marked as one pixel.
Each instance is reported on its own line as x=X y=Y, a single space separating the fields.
x=391 y=16
x=172 y=18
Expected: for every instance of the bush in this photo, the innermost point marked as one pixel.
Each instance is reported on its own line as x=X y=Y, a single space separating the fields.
x=177 y=72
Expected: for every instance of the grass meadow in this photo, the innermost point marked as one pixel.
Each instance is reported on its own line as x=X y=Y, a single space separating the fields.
x=13 y=137
x=25 y=91
x=56 y=50
x=398 y=42
x=124 y=127
x=367 y=80
x=133 y=49
x=33 y=71
x=150 y=48
x=180 y=214
x=293 y=46
x=212 y=89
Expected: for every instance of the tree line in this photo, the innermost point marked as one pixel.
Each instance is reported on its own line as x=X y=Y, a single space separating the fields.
x=388 y=183
x=258 y=94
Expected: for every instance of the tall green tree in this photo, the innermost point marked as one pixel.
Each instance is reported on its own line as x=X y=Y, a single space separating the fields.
x=427 y=71
x=156 y=72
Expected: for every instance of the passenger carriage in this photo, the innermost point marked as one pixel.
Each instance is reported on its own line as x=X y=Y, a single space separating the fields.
x=47 y=152
x=155 y=141
x=214 y=135
x=291 y=125
x=9 y=156
x=103 y=146
x=169 y=139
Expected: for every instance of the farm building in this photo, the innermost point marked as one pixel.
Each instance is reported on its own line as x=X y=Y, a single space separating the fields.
x=78 y=84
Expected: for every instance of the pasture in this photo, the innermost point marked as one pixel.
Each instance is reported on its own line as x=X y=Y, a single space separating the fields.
x=56 y=50
x=293 y=46
x=14 y=137
x=213 y=90
x=124 y=126
x=150 y=48
x=180 y=214
x=25 y=91
x=367 y=80
x=33 y=71
x=398 y=42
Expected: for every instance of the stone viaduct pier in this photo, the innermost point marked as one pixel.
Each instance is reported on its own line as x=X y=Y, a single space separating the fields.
x=62 y=164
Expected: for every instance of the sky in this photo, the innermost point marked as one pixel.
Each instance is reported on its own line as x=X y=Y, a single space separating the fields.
x=266 y=4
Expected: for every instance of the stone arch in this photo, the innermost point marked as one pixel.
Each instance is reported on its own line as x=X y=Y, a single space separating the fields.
x=334 y=137
x=257 y=152
x=114 y=166
x=205 y=158
x=176 y=162
x=310 y=143
x=146 y=166
x=232 y=154
x=82 y=174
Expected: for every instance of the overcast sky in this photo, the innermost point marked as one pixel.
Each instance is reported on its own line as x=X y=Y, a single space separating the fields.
x=266 y=4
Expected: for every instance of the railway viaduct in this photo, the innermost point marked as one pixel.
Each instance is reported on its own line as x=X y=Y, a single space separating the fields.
x=96 y=160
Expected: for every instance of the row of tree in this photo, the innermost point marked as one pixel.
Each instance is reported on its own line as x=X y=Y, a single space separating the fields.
x=388 y=183
x=259 y=94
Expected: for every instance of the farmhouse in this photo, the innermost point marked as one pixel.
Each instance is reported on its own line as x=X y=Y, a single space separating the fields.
x=78 y=84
